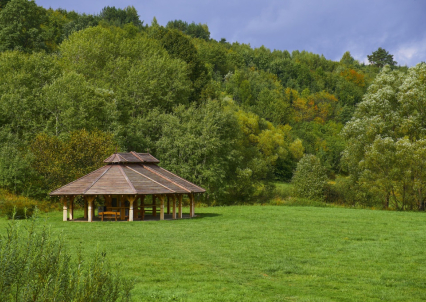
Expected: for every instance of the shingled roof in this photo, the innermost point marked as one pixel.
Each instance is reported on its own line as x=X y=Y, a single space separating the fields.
x=129 y=173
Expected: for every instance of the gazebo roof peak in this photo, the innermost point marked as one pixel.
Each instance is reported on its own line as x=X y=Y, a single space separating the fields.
x=131 y=157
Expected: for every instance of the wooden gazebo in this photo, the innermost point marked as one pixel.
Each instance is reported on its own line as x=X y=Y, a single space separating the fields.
x=124 y=182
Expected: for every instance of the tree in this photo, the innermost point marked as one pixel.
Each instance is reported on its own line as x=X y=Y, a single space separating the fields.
x=3 y=3
x=137 y=70
x=310 y=178
x=181 y=47
x=22 y=78
x=71 y=103
x=61 y=160
x=380 y=58
x=199 y=30
x=120 y=17
x=386 y=139
x=22 y=27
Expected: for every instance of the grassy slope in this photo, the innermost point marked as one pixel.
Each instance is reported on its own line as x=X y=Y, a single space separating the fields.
x=266 y=253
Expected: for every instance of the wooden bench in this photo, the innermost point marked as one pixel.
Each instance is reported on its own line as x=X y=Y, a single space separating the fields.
x=109 y=214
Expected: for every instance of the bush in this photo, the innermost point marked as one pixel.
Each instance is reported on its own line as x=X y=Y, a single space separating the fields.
x=36 y=267
x=310 y=178
x=20 y=206
x=350 y=193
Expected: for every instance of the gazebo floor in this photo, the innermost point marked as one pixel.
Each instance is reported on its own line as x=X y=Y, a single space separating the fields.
x=147 y=218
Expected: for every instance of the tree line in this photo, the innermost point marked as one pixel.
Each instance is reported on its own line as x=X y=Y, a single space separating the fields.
x=232 y=118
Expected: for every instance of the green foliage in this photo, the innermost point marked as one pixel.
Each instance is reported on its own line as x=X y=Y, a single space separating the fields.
x=118 y=16
x=324 y=141
x=16 y=174
x=310 y=178
x=3 y=3
x=22 y=78
x=17 y=210
x=386 y=139
x=20 y=207
x=193 y=30
x=181 y=47
x=380 y=58
x=78 y=22
x=175 y=92
x=125 y=66
x=62 y=160
x=259 y=92
x=38 y=267
x=21 y=26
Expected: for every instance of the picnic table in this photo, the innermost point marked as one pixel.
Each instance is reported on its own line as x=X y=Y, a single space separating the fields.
x=109 y=214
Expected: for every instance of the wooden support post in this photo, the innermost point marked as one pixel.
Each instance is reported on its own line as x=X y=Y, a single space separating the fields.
x=168 y=204
x=191 y=207
x=174 y=206
x=131 y=199
x=85 y=207
x=136 y=208
x=72 y=207
x=180 y=205
x=161 y=207
x=193 y=204
x=108 y=201
x=122 y=209
x=65 y=208
x=90 y=208
x=142 y=207
x=154 y=208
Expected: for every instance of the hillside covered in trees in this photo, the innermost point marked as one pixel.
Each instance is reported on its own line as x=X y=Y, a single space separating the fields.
x=232 y=118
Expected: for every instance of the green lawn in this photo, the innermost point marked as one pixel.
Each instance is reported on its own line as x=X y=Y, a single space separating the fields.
x=265 y=253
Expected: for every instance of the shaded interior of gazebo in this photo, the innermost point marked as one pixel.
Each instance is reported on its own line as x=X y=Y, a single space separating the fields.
x=132 y=186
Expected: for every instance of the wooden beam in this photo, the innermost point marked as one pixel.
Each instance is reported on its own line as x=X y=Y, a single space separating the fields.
x=64 y=208
x=161 y=207
x=180 y=205
x=168 y=204
x=174 y=206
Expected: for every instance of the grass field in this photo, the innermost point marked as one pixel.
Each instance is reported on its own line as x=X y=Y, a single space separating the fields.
x=265 y=253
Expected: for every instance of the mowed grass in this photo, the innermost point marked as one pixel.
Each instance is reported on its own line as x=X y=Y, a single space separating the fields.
x=264 y=253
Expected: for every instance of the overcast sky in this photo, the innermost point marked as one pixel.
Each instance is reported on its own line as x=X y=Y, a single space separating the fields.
x=328 y=27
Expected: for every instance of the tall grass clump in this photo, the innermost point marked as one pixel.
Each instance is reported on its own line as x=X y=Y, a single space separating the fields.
x=36 y=266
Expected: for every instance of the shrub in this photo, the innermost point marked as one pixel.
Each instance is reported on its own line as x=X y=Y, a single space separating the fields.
x=36 y=267
x=310 y=178
x=350 y=193
x=20 y=206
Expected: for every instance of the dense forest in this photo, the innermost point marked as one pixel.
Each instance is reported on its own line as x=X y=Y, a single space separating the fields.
x=75 y=88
